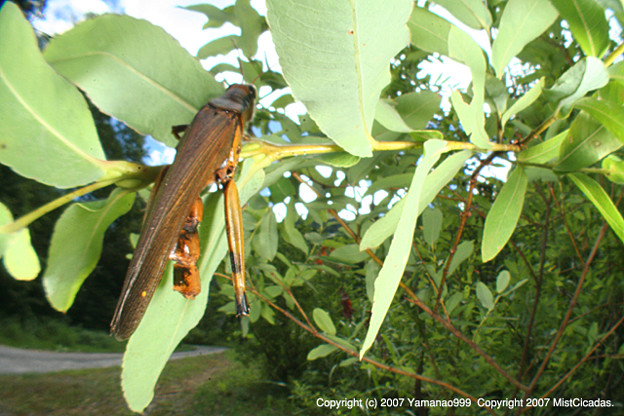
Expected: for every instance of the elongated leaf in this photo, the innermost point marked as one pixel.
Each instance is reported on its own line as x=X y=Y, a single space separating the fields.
x=471 y=12
x=265 y=242
x=435 y=181
x=216 y=17
x=522 y=21
x=545 y=151
x=321 y=351
x=523 y=102
x=588 y=24
x=390 y=275
x=408 y=112
x=388 y=116
x=133 y=71
x=586 y=75
x=464 y=250
x=417 y=109
x=76 y=245
x=348 y=254
x=169 y=316
x=291 y=234
x=587 y=142
x=594 y=192
x=335 y=56
x=18 y=255
x=429 y=31
x=484 y=294
x=504 y=214
x=45 y=124
x=432 y=223
x=219 y=46
x=251 y=24
x=472 y=119
x=323 y=321
x=610 y=114
x=464 y=49
x=502 y=281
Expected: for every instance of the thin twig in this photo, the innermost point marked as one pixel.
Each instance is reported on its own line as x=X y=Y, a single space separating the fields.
x=354 y=353
x=566 y=225
x=571 y=307
x=538 y=287
x=464 y=216
x=448 y=325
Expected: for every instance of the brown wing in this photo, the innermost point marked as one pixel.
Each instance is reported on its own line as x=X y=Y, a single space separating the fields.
x=200 y=153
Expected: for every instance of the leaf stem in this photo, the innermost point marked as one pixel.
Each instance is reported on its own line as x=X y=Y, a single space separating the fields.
x=25 y=220
x=134 y=176
x=279 y=151
x=616 y=52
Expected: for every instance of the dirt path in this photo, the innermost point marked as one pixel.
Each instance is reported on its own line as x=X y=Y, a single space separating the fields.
x=17 y=360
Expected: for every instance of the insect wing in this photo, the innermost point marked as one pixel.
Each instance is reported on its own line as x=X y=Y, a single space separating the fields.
x=200 y=153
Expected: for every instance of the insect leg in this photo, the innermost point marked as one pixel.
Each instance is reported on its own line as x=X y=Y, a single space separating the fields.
x=186 y=253
x=176 y=130
x=236 y=243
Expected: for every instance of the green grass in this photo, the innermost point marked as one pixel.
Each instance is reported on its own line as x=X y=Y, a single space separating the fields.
x=213 y=384
x=55 y=335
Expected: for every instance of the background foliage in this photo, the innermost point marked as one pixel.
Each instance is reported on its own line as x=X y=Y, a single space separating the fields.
x=492 y=285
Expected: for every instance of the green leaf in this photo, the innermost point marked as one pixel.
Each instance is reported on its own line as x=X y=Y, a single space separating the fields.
x=588 y=24
x=502 y=281
x=18 y=255
x=521 y=22
x=267 y=313
x=282 y=189
x=219 y=46
x=265 y=242
x=338 y=160
x=432 y=223
x=435 y=181
x=504 y=214
x=464 y=250
x=543 y=152
x=291 y=234
x=453 y=301
x=473 y=13
x=496 y=94
x=424 y=135
x=45 y=124
x=401 y=180
x=337 y=63
x=216 y=17
x=417 y=109
x=586 y=75
x=348 y=254
x=76 y=245
x=616 y=166
x=523 y=102
x=429 y=31
x=321 y=351
x=463 y=48
x=388 y=116
x=390 y=275
x=485 y=296
x=134 y=71
x=170 y=316
x=323 y=321
x=610 y=114
x=586 y=143
x=251 y=24
x=594 y=192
